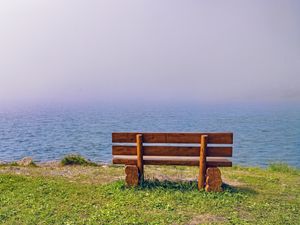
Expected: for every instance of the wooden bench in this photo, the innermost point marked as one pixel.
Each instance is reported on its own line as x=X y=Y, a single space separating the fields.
x=206 y=150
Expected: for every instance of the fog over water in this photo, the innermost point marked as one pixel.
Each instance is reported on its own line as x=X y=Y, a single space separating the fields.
x=154 y=51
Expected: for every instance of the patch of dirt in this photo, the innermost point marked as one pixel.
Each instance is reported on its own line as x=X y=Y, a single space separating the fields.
x=171 y=173
x=207 y=219
x=83 y=174
x=231 y=182
x=49 y=164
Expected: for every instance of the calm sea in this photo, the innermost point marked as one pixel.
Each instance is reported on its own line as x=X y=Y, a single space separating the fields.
x=262 y=134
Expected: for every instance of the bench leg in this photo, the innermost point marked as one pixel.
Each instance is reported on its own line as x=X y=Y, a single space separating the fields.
x=140 y=153
x=202 y=162
x=213 y=180
x=132 y=176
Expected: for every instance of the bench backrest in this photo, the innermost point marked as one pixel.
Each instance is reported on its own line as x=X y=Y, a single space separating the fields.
x=173 y=144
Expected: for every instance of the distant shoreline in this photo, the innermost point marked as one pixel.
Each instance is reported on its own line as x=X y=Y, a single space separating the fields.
x=58 y=163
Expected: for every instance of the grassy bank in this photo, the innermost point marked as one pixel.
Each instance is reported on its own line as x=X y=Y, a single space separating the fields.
x=54 y=194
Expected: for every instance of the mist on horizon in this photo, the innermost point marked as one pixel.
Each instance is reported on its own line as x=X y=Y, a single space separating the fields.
x=149 y=51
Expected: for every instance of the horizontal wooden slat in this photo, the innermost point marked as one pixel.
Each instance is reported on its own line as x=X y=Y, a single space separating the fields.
x=213 y=138
x=179 y=161
x=173 y=151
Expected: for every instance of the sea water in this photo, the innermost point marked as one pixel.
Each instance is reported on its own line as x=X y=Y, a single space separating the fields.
x=262 y=134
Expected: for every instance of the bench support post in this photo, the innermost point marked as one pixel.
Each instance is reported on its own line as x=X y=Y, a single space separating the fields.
x=132 y=176
x=140 y=162
x=213 y=180
x=202 y=162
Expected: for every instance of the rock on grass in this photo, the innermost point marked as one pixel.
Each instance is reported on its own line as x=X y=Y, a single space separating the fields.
x=26 y=161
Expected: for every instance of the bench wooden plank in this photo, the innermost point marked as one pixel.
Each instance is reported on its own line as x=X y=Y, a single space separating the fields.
x=172 y=151
x=213 y=138
x=164 y=160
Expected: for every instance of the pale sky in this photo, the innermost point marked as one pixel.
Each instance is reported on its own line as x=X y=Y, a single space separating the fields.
x=70 y=51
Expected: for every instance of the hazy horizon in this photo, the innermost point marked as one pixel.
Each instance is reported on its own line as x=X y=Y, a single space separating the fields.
x=75 y=52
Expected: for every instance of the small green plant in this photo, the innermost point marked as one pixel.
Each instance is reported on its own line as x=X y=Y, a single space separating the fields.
x=75 y=159
x=8 y=164
x=32 y=164
x=282 y=167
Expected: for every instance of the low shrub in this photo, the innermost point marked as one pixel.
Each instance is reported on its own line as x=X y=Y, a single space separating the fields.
x=76 y=159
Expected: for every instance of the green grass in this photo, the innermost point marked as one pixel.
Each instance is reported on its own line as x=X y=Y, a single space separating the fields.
x=32 y=164
x=255 y=196
x=282 y=167
x=74 y=159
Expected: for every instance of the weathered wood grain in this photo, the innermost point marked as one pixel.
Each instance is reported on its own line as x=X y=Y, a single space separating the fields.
x=213 y=138
x=132 y=176
x=139 y=149
x=202 y=162
x=172 y=151
x=164 y=160
x=213 y=180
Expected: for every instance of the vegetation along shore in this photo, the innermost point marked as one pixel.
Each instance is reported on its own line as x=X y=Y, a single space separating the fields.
x=77 y=191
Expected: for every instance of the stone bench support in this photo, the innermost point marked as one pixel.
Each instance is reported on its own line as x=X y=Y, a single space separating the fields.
x=213 y=180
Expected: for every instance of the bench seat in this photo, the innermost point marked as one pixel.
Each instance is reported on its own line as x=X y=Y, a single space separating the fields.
x=171 y=160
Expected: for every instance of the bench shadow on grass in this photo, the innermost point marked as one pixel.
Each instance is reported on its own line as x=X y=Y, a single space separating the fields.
x=186 y=186
x=238 y=189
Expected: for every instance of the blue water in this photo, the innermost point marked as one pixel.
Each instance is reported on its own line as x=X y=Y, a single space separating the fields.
x=262 y=134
